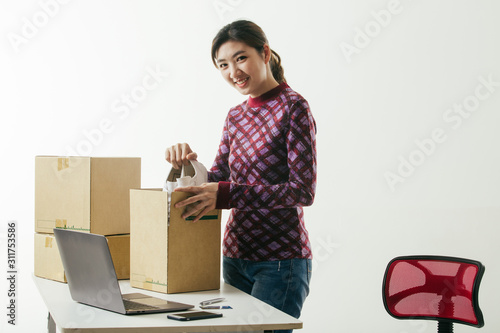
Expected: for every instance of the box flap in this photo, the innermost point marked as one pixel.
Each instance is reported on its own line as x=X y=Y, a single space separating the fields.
x=148 y=239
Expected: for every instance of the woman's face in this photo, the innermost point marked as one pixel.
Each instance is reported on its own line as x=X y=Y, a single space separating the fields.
x=244 y=68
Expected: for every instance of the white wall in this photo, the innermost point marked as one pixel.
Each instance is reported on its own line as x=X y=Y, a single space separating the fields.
x=380 y=76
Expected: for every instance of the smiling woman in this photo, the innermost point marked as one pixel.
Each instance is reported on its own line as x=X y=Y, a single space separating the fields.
x=264 y=172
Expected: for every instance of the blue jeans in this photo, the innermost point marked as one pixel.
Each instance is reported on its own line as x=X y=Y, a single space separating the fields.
x=281 y=284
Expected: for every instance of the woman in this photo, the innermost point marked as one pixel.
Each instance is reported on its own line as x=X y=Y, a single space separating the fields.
x=264 y=171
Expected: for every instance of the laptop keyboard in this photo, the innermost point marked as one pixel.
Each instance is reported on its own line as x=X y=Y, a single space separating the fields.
x=129 y=305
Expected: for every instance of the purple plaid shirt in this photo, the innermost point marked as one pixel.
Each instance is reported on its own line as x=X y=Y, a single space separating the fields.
x=266 y=169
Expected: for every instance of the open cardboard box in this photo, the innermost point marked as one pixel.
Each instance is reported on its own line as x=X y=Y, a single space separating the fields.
x=172 y=255
x=89 y=194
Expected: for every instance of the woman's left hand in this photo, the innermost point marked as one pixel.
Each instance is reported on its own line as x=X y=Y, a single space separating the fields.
x=203 y=200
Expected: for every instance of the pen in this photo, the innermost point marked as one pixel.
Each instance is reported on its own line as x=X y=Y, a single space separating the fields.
x=204 y=307
x=212 y=301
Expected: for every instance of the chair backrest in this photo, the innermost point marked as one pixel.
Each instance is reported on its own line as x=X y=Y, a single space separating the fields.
x=434 y=287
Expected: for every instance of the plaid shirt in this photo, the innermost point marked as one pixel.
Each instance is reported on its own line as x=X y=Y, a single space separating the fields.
x=266 y=169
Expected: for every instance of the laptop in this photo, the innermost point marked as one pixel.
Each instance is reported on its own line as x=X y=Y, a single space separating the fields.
x=92 y=278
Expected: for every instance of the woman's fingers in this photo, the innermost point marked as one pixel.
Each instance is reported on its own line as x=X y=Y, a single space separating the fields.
x=203 y=200
x=179 y=154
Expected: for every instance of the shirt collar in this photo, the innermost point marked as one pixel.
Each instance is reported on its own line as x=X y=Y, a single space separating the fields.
x=267 y=96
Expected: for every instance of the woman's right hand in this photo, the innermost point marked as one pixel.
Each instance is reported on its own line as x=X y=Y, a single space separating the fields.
x=179 y=154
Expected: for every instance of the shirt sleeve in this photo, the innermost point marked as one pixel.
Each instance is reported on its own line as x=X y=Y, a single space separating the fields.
x=220 y=168
x=299 y=189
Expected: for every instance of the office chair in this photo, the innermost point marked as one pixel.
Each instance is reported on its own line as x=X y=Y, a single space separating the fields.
x=436 y=288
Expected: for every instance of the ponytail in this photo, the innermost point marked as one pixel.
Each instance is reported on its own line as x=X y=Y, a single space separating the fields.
x=276 y=68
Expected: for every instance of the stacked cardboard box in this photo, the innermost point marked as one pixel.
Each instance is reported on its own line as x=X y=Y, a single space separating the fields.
x=170 y=254
x=89 y=194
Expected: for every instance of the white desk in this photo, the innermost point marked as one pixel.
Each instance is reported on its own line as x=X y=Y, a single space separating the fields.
x=248 y=313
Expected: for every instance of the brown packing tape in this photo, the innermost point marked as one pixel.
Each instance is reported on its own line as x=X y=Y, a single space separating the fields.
x=148 y=283
x=48 y=242
x=62 y=163
x=61 y=223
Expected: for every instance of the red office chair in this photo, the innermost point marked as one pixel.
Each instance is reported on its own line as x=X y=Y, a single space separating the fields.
x=434 y=287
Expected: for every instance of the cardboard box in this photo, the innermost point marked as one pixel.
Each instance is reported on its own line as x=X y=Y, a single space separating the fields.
x=172 y=255
x=48 y=263
x=88 y=194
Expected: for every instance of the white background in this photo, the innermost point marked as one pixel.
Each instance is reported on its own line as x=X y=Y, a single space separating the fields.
x=65 y=67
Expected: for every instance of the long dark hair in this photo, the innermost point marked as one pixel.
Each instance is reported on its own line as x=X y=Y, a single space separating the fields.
x=251 y=34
